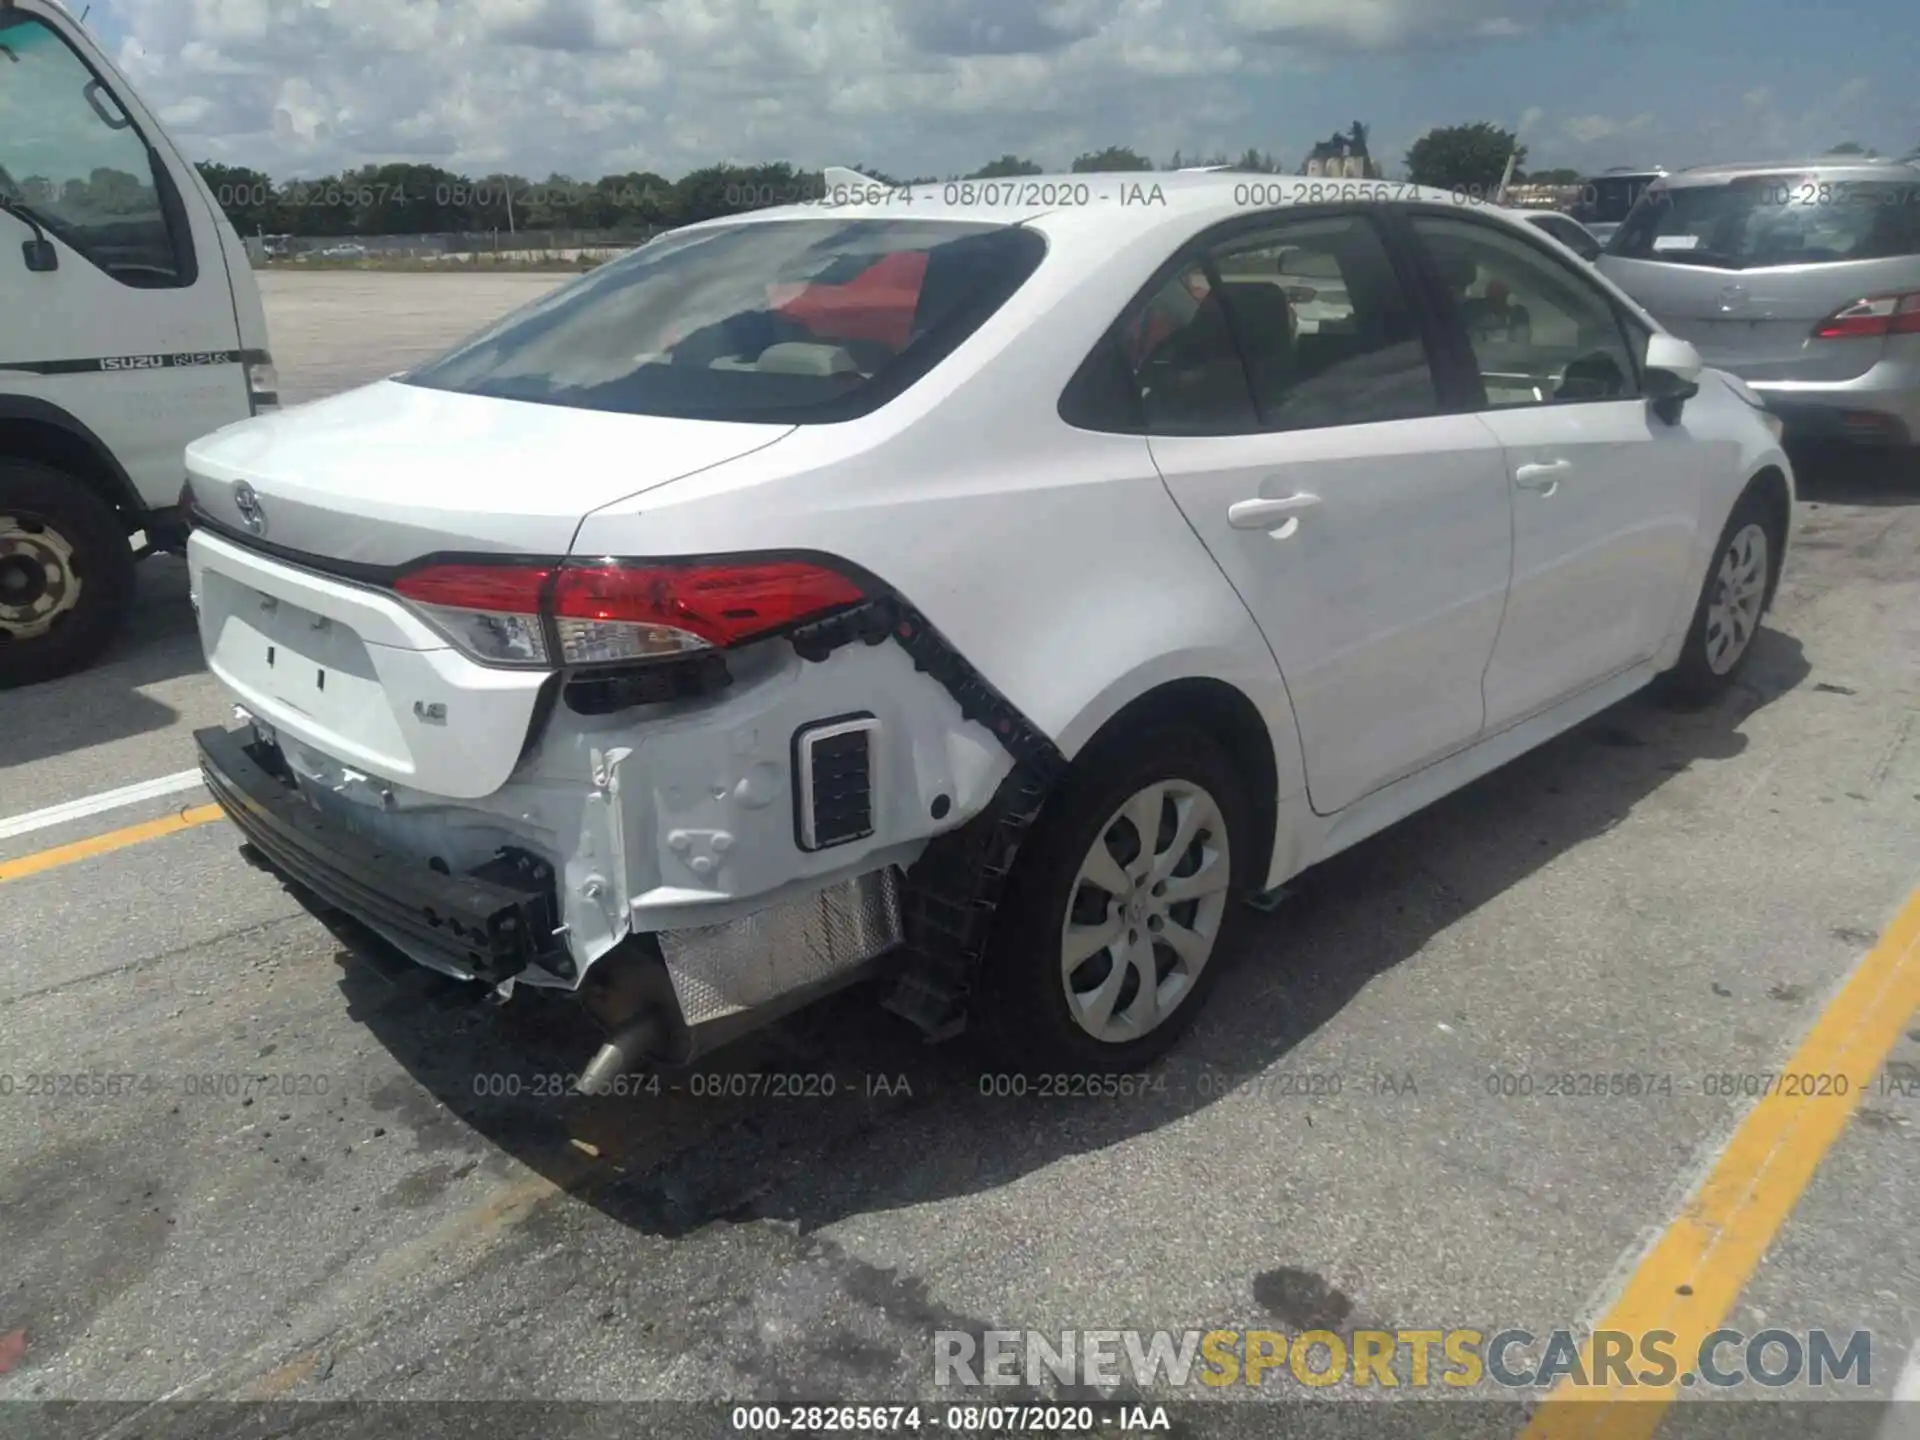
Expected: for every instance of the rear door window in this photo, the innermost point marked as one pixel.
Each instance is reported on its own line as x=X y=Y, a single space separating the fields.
x=1330 y=337
x=1765 y=220
x=789 y=321
x=1185 y=367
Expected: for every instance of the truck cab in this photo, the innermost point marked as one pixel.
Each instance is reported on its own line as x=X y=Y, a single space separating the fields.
x=130 y=324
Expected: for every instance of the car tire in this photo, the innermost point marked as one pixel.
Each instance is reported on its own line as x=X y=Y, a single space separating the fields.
x=1023 y=1003
x=66 y=573
x=1738 y=589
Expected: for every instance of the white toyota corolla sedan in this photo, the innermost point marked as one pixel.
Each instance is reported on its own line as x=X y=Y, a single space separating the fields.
x=973 y=592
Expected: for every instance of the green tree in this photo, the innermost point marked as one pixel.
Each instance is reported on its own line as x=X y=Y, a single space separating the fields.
x=638 y=200
x=1005 y=166
x=1259 y=161
x=495 y=201
x=247 y=196
x=1114 y=157
x=1471 y=157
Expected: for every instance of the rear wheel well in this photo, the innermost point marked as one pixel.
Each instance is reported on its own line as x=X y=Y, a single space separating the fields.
x=1769 y=487
x=1228 y=717
x=71 y=454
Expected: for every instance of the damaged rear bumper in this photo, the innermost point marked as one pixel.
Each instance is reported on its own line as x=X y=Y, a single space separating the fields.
x=697 y=987
x=490 y=925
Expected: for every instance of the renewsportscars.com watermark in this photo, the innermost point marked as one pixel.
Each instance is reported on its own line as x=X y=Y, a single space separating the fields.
x=1397 y=1359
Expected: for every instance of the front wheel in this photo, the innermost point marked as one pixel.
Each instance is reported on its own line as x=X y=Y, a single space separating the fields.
x=1727 y=617
x=1105 y=947
x=66 y=573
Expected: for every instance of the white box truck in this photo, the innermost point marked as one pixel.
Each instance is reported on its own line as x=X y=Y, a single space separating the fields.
x=130 y=324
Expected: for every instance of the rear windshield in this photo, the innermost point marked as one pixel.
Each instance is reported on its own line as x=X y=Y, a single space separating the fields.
x=1607 y=199
x=1773 y=220
x=779 y=320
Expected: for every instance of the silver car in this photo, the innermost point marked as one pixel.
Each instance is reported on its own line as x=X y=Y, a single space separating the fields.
x=1567 y=230
x=1803 y=280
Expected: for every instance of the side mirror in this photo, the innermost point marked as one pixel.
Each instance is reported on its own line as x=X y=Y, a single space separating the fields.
x=1672 y=375
x=40 y=254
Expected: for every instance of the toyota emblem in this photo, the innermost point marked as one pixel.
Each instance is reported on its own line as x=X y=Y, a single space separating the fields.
x=247 y=502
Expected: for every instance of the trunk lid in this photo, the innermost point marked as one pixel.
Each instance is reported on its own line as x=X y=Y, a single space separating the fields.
x=387 y=473
x=350 y=670
x=324 y=651
x=1758 y=323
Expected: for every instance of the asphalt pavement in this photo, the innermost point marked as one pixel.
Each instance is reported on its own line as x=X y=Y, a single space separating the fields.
x=328 y=1174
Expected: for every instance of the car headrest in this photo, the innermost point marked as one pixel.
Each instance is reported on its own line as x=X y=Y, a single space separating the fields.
x=1456 y=268
x=1264 y=316
x=796 y=357
x=1263 y=306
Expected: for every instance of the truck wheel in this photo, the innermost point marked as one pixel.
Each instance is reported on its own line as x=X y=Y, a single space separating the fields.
x=66 y=573
x=1107 y=942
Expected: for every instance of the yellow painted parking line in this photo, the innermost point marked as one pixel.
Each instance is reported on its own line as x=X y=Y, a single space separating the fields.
x=1690 y=1280
x=59 y=855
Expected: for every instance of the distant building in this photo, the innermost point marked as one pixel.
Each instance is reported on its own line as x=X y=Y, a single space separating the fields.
x=1542 y=197
x=1344 y=156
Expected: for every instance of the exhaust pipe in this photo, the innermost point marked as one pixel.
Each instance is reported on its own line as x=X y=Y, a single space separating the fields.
x=617 y=1056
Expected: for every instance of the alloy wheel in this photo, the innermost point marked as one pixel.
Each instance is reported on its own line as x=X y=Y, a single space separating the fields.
x=1145 y=911
x=1739 y=593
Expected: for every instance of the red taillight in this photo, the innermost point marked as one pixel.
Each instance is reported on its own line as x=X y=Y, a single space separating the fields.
x=615 y=611
x=1875 y=315
x=626 y=612
x=512 y=589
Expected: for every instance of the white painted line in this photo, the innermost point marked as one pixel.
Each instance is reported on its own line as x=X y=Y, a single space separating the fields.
x=1903 y=1415
x=94 y=804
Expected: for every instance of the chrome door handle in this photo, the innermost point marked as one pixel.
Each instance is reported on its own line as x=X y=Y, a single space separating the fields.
x=1544 y=477
x=1265 y=514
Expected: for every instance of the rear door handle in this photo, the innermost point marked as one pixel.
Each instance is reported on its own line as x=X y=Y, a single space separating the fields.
x=1543 y=477
x=1265 y=514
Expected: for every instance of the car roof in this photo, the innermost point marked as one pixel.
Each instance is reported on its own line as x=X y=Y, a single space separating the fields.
x=1133 y=201
x=1851 y=167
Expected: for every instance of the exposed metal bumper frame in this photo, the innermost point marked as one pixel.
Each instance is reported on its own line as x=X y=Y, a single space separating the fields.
x=489 y=926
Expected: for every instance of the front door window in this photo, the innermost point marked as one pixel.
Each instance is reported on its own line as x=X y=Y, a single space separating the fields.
x=75 y=161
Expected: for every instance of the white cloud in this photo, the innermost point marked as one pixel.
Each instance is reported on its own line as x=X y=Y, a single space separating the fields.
x=590 y=86
x=1404 y=24
x=1588 y=129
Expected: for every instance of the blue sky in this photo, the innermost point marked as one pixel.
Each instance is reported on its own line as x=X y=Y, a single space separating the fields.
x=587 y=86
